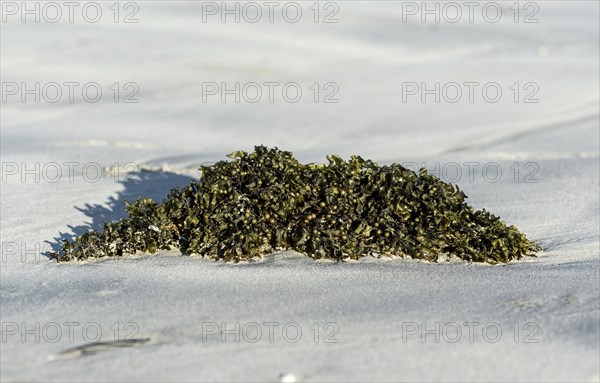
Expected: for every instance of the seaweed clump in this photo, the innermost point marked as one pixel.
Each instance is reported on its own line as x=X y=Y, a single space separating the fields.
x=266 y=200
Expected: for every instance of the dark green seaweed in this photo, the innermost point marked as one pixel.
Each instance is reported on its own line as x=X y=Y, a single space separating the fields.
x=266 y=201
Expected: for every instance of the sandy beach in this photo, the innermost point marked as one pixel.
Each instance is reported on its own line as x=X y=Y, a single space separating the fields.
x=508 y=110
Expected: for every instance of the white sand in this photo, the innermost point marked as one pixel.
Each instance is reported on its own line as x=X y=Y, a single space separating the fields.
x=378 y=309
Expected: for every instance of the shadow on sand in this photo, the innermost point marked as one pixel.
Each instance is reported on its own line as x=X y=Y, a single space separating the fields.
x=145 y=184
